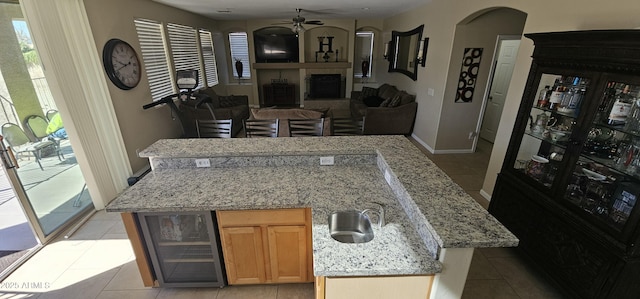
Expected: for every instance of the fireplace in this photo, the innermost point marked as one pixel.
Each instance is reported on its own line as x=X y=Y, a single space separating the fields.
x=325 y=86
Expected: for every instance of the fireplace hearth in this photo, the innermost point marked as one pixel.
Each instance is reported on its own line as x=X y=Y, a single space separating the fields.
x=325 y=86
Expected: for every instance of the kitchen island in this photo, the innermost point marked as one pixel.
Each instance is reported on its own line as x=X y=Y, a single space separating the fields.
x=431 y=228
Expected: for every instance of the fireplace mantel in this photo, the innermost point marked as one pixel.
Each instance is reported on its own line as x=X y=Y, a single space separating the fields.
x=304 y=65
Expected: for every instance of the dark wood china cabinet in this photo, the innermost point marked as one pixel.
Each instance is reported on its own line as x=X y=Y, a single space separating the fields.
x=570 y=182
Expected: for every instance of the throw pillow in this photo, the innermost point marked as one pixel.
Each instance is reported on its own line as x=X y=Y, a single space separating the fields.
x=395 y=101
x=367 y=92
x=373 y=101
x=385 y=103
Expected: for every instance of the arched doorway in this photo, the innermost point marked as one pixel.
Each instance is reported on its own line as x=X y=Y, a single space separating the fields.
x=461 y=121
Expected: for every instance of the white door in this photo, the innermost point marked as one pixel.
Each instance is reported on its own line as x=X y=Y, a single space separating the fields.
x=508 y=50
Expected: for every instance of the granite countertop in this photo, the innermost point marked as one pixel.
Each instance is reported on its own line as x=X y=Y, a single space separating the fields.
x=425 y=210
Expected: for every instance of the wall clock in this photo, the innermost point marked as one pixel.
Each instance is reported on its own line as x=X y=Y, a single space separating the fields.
x=121 y=64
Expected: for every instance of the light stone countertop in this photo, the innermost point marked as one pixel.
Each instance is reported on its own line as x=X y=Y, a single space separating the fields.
x=425 y=210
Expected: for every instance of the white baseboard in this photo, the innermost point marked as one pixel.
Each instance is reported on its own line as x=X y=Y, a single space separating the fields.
x=436 y=152
x=486 y=195
x=424 y=144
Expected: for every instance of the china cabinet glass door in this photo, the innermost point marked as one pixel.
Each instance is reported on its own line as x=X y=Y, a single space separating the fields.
x=552 y=121
x=604 y=182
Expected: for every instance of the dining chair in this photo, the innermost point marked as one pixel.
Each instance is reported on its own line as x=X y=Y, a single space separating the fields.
x=220 y=128
x=261 y=127
x=306 y=127
x=20 y=143
x=347 y=126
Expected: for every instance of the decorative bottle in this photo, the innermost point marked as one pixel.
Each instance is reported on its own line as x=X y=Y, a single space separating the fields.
x=543 y=97
x=556 y=95
x=621 y=108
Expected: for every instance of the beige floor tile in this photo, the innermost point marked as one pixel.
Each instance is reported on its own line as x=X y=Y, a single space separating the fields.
x=94 y=229
x=498 y=252
x=127 y=278
x=188 y=293
x=526 y=283
x=254 y=292
x=481 y=268
x=296 y=291
x=488 y=289
x=137 y=294
x=119 y=252
x=468 y=182
x=80 y=284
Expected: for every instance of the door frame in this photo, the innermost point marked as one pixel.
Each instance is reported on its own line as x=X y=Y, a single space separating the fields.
x=487 y=90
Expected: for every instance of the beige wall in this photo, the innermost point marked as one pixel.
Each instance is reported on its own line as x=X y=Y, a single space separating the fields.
x=459 y=119
x=440 y=18
x=114 y=19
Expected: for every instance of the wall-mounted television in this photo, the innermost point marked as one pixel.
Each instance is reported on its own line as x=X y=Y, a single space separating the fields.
x=276 y=44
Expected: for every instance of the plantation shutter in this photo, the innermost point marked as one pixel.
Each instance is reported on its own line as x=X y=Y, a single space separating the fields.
x=240 y=51
x=209 y=58
x=184 y=49
x=154 y=55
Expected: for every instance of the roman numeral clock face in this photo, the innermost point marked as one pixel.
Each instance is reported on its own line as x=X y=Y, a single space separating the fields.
x=121 y=64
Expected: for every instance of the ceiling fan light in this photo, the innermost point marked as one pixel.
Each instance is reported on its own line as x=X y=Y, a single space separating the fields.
x=297 y=28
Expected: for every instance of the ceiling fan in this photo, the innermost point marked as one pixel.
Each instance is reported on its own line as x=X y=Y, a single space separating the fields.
x=298 y=21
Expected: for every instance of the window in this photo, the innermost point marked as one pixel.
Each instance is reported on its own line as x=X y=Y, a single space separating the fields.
x=209 y=58
x=240 y=52
x=154 y=55
x=363 y=52
x=187 y=46
x=184 y=49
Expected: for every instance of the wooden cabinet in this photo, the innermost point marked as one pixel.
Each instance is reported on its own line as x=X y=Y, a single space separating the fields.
x=267 y=246
x=570 y=181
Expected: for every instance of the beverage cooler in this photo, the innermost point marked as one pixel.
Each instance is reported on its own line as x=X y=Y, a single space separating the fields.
x=183 y=248
x=570 y=181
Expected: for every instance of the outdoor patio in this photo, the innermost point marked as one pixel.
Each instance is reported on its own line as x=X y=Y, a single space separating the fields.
x=56 y=193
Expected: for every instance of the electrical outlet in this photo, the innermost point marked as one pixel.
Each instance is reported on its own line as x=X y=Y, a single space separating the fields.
x=326 y=160
x=203 y=163
x=430 y=92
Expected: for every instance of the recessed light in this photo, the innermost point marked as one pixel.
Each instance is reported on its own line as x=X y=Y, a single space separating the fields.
x=365 y=8
x=224 y=11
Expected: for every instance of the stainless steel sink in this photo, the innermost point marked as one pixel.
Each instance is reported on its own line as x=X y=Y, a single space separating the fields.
x=350 y=227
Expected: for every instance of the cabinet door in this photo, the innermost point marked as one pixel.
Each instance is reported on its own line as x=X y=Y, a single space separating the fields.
x=550 y=117
x=243 y=255
x=605 y=181
x=288 y=253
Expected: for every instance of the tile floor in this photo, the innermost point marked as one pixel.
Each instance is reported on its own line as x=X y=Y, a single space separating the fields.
x=97 y=261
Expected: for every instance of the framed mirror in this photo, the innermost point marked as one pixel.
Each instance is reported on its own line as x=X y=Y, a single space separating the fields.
x=404 y=49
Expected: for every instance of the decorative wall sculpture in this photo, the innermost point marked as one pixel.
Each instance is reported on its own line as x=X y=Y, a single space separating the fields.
x=468 y=74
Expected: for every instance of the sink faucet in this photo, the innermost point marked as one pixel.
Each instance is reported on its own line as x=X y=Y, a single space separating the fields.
x=379 y=212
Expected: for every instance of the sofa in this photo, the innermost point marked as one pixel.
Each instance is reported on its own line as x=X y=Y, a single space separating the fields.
x=386 y=110
x=234 y=107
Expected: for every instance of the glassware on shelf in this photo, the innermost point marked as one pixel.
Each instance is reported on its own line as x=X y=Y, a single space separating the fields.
x=621 y=107
x=537 y=167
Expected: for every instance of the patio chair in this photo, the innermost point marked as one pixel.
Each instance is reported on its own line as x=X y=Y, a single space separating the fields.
x=51 y=113
x=220 y=128
x=20 y=143
x=37 y=125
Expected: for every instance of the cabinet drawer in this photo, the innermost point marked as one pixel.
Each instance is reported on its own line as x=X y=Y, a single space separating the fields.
x=261 y=217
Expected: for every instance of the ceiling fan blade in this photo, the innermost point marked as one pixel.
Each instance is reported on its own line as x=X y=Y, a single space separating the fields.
x=316 y=22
